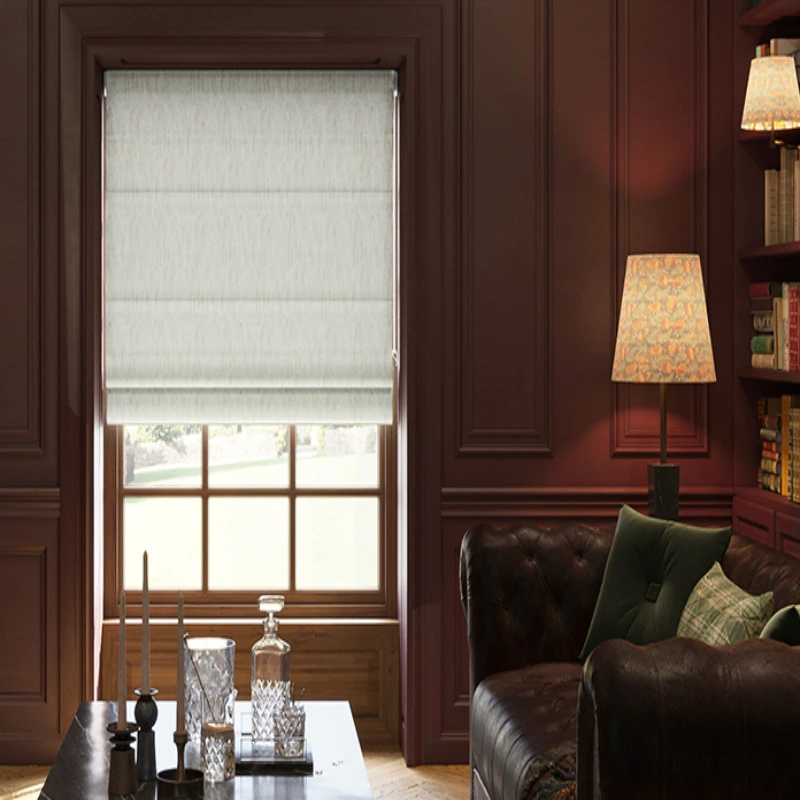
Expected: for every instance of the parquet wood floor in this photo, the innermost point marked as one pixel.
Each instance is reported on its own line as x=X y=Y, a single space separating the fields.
x=388 y=775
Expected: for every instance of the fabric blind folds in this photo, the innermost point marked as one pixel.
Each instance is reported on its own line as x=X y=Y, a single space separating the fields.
x=249 y=246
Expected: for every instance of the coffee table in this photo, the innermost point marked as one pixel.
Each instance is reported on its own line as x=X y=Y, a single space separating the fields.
x=80 y=771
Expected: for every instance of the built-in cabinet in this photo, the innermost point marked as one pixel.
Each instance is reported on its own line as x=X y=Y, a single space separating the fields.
x=759 y=514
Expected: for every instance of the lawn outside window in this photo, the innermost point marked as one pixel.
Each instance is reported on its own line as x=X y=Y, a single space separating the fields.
x=229 y=512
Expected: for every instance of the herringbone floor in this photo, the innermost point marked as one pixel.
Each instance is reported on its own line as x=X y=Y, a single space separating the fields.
x=388 y=775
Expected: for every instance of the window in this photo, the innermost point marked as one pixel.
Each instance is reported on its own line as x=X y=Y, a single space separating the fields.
x=229 y=512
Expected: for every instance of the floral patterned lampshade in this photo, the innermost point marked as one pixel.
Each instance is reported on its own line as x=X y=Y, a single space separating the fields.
x=663 y=334
x=772 y=101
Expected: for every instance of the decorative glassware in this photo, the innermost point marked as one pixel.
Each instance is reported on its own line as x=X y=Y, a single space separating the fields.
x=208 y=667
x=270 y=673
x=217 y=741
x=290 y=730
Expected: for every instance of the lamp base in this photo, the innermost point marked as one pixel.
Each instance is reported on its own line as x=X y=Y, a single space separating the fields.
x=663 y=490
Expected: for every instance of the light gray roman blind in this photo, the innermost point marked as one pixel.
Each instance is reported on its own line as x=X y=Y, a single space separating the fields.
x=249 y=233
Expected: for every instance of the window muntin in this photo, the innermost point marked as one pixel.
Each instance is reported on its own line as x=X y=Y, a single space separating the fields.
x=243 y=523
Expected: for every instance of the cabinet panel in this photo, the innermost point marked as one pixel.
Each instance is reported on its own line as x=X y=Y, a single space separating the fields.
x=754 y=521
x=787 y=532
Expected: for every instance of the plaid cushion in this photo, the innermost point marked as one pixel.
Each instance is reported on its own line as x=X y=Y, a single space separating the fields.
x=719 y=612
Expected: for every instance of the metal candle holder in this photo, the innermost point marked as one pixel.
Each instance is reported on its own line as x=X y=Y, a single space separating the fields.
x=122 y=783
x=180 y=782
x=146 y=714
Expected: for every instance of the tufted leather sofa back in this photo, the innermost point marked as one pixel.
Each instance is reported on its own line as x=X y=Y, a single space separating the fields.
x=529 y=592
x=758 y=569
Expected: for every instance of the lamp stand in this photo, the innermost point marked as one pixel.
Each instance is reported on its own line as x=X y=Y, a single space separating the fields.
x=663 y=480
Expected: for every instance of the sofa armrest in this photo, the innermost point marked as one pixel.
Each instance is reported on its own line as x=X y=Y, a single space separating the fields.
x=682 y=719
x=528 y=593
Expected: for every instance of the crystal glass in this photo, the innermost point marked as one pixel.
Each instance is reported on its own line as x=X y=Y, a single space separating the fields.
x=217 y=740
x=208 y=666
x=290 y=730
x=270 y=673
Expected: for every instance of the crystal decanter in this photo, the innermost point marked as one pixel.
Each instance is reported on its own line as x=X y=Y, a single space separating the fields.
x=270 y=676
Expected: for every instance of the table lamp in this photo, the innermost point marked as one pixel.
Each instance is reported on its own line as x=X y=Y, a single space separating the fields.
x=663 y=338
x=772 y=100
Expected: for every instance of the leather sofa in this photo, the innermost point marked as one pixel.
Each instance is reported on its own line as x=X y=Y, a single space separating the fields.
x=674 y=719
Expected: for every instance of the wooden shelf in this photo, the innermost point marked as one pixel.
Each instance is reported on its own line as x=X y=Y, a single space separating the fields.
x=787 y=250
x=772 y=375
x=768 y=12
x=764 y=497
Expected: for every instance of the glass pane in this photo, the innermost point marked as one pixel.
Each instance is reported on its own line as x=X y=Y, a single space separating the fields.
x=248 y=455
x=248 y=543
x=337 y=455
x=337 y=543
x=171 y=530
x=162 y=455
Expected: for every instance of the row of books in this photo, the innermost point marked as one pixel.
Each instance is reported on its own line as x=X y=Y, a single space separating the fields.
x=779 y=469
x=782 y=199
x=782 y=186
x=775 y=310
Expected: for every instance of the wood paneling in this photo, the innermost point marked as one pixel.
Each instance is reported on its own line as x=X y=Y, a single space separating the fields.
x=542 y=142
x=502 y=282
x=29 y=658
x=355 y=661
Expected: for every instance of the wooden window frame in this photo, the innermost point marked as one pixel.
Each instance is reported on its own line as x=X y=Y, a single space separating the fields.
x=208 y=603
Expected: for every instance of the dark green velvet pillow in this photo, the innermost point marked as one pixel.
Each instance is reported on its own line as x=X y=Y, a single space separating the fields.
x=651 y=571
x=784 y=626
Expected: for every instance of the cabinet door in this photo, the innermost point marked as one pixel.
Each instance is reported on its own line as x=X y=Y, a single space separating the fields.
x=754 y=521
x=787 y=531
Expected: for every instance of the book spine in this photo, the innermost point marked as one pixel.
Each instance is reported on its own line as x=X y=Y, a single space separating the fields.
x=794 y=327
x=785 y=325
x=771 y=421
x=762 y=361
x=763 y=320
x=770 y=447
x=783 y=463
x=774 y=467
x=764 y=289
x=777 y=331
x=770 y=435
x=771 y=206
x=762 y=344
x=771 y=455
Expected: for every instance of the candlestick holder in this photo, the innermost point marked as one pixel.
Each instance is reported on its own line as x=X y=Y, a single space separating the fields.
x=122 y=783
x=181 y=781
x=146 y=714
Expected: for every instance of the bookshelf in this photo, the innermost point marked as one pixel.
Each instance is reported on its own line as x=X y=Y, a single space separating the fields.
x=760 y=514
x=770 y=12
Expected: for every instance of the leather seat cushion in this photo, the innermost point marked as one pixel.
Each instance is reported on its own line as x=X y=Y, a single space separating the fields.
x=519 y=715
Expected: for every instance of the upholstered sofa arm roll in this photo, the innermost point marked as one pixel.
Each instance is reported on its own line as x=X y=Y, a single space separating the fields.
x=529 y=592
x=682 y=719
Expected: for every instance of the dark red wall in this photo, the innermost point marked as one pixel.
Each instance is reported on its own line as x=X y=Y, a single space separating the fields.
x=552 y=139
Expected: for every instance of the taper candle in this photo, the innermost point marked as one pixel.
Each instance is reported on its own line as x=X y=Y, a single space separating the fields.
x=145 y=627
x=181 y=720
x=122 y=692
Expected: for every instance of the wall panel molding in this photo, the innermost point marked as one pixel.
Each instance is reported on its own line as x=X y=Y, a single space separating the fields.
x=22 y=410
x=635 y=417
x=490 y=320
x=356 y=661
x=703 y=504
x=29 y=674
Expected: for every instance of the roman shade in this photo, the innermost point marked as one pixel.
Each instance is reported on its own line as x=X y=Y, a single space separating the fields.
x=249 y=246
